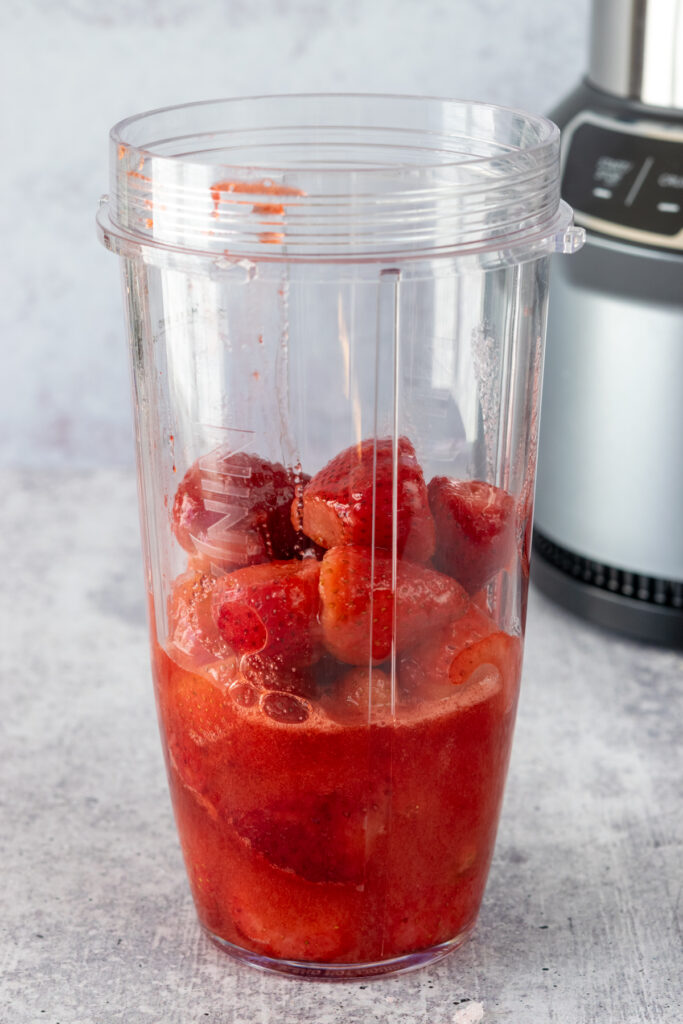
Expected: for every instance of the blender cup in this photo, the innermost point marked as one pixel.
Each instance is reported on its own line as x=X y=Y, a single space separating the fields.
x=336 y=312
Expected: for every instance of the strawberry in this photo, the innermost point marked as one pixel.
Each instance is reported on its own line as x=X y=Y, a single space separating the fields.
x=357 y=614
x=271 y=610
x=441 y=665
x=196 y=715
x=320 y=838
x=475 y=529
x=359 y=692
x=234 y=509
x=192 y=629
x=338 y=501
x=277 y=913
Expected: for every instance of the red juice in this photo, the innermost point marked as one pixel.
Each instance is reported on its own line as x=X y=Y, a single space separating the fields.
x=337 y=717
x=338 y=841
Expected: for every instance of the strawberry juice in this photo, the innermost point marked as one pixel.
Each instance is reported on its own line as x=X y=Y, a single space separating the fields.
x=338 y=706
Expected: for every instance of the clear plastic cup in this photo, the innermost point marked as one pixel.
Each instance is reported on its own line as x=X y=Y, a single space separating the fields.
x=336 y=311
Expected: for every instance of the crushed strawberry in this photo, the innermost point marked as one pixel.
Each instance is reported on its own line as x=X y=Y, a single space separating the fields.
x=319 y=838
x=282 y=915
x=196 y=716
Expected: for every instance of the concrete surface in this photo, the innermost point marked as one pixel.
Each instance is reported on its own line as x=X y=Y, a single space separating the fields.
x=581 y=921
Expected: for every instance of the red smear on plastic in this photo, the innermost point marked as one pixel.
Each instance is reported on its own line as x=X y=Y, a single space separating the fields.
x=252 y=188
x=268 y=209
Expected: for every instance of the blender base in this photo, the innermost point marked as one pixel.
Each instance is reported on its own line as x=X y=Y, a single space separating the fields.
x=595 y=592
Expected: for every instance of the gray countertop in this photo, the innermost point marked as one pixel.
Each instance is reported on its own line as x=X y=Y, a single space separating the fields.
x=581 y=922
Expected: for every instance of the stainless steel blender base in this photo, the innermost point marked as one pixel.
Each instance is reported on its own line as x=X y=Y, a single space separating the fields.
x=644 y=607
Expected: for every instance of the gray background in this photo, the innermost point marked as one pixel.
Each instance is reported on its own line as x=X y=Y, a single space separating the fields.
x=69 y=70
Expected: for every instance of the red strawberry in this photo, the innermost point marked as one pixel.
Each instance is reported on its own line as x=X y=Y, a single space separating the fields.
x=192 y=629
x=351 y=698
x=271 y=610
x=320 y=838
x=439 y=666
x=475 y=529
x=197 y=718
x=282 y=915
x=234 y=509
x=338 y=501
x=357 y=605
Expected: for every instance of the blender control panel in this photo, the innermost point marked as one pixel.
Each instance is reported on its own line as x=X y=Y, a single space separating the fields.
x=626 y=183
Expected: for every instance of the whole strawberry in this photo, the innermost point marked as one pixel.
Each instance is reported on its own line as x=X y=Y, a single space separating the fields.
x=475 y=529
x=357 y=487
x=192 y=629
x=271 y=610
x=234 y=510
x=360 y=618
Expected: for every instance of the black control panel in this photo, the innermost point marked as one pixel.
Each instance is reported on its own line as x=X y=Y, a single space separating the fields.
x=630 y=180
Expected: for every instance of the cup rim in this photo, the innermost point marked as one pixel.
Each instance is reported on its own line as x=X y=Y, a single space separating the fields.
x=551 y=130
x=341 y=176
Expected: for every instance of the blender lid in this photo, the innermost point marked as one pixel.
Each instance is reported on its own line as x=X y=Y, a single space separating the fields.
x=636 y=50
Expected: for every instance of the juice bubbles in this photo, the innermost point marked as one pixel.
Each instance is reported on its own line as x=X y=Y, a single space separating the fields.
x=338 y=724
